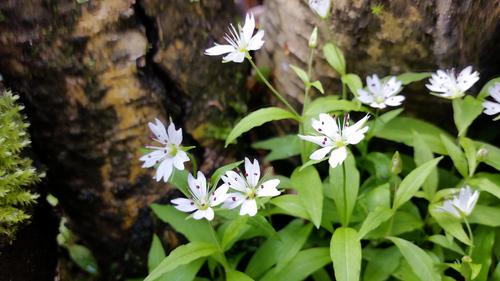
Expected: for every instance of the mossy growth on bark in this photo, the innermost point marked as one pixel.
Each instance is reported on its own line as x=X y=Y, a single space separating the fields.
x=17 y=173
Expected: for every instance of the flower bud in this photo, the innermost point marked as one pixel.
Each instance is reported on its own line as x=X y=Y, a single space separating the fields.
x=396 y=164
x=466 y=259
x=481 y=154
x=313 y=39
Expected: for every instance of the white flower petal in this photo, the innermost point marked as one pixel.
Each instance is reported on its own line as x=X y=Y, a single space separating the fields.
x=183 y=204
x=175 y=136
x=358 y=126
x=364 y=97
x=233 y=200
x=220 y=195
x=207 y=213
x=319 y=140
x=235 y=56
x=256 y=41
x=491 y=108
x=198 y=186
x=373 y=84
x=494 y=92
x=164 y=170
x=218 y=50
x=234 y=180
x=248 y=27
x=326 y=125
x=152 y=158
x=252 y=171
x=159 y=131
x=337 y=156
x=391 y=87
x=268 y=188
x=394 y=101
x=248 y=207
x=321 y=7
x=179 y=159
x=467 y=78
x=320 y=153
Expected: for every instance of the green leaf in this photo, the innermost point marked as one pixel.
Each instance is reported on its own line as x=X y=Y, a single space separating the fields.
x=400 y=129
x=482 y=251
x=310 y=191
x=374 y=219
x=465 y=111
x=456 y=155
x=379 y=123
x=412 y=182
x=290 y=205
x=422 y=154
x=486 y=88
x=317 y=84
x=182 y=255
x=256 y=119
x=222 y=170
x=447 y=243
x=233 y=231
x=156 y=253
x=194 y=230
x=330 y=104
x=381 y=263
x=261 y=223
x=301 y=73
x=345 y=251
x=282 y=147
x=305 y=263
x=493 y=156
x=186 y=272
x=420 y=262
x=234 y=275
x=273 y=250
x=335 y=58
x=179 y=180
x=410 y=77
x=83 y=257
x=470 y=154
x=485 y=215
x=353 y=82
x=485 y=184
x=344 y=180
x=449 y=223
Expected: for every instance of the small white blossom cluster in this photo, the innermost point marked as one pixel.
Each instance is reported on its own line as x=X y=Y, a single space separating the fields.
x=461 y=204
x=237 y=190
x=445 y=84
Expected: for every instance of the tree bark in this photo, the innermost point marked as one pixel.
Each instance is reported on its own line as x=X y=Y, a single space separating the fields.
x=92 y=75
x=404 y=36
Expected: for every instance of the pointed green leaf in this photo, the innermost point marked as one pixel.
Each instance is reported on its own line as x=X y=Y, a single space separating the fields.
x=214 y=180
x=233 y=232
x=156 y=253
x=374 y=219
x=449 y=223
x=335 y=58
x=465 y=111
x=317 y=84
x=410 y=77
x=422 y=154
x=234 y=275
x=345 y=252
x=344 y=180
x=310 y=191
x=305 y=263
x=420 y=262
x=470 y=154
x=412 y=182
x=256 y=119
x=456 y=155
x=301 y=73
x=353 y=82
x=182 y=255
x=282 y=147
x=449 y=244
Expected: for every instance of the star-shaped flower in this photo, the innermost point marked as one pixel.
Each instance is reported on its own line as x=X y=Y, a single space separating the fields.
x=240 y=42
x=493 y=107
x=381 y=94
x=169 y=154
x=320 y=7
x=202 y=199
x=247 y=188
x=335 y=137
x=461 y=204
x=446 y=84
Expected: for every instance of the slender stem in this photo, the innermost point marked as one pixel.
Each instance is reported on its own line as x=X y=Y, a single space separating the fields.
x=223 y=259
x=344 y=91
x=273 y=90
x=344 y=191
x=471 y=236
x=309 y=70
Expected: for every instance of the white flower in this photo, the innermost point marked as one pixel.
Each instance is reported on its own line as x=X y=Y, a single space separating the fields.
x=381 y=94
x=445 y=84
x=169 y=154
x=240 y=42
x=335 y=137
x=461 y=204
x=320 y=7
x=202 y=200
x=248 y=188
x=490 y=107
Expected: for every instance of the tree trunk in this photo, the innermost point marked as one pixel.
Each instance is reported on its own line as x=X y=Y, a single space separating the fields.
x=92 y=75
x=404 y=36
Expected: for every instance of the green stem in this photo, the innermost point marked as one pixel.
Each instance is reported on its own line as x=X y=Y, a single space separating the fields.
x=221 y=255
x=471 y=236
x=344 y=191
x=303 y=145
x=273 y=90
x=344 y=91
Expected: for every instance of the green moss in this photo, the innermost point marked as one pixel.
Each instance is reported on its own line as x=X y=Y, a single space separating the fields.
x=16 y=171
